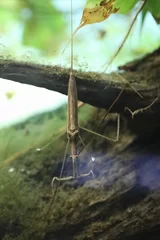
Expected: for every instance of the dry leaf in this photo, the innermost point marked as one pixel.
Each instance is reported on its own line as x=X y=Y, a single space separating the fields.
x=99 y=13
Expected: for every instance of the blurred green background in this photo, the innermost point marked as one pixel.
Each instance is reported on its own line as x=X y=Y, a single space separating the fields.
x=39 y=31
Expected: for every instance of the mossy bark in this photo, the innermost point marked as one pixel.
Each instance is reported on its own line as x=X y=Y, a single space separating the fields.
x=97 y=89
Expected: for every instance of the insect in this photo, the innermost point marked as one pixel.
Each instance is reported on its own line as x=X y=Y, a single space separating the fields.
x=73 y=126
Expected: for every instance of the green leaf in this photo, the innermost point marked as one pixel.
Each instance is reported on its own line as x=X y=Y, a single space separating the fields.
x=153 y=6
x=124 y=5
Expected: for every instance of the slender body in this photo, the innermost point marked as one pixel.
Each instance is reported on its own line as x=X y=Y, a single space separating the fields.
x=72 y=107
x=73 y=129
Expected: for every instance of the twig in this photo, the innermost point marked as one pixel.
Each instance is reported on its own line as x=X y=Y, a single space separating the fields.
x=125 y=80
x=126 y=36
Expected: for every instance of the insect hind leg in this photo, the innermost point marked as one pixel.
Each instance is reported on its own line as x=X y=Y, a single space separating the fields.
x=105 y=137
x=75 y=168
x=68 y=178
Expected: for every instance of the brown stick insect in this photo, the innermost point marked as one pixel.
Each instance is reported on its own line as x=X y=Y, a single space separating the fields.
x=73 y=126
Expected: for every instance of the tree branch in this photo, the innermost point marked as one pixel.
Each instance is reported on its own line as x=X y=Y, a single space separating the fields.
x=97 y=89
